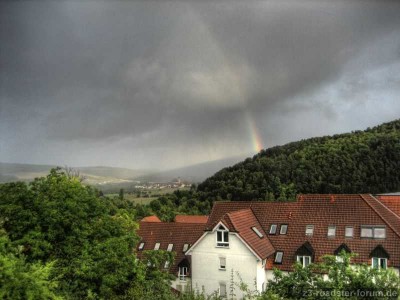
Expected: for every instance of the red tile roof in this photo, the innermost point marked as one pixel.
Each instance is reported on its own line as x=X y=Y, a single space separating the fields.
x=191 y=219
x=321 y=211
x=166 y=233
x=391 y=201
x=151 y=219
x=243 y=221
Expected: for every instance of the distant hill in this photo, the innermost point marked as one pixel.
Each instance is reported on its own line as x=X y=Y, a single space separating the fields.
x=101 y=176
x=193 y=173
x=357 y=162
x=94 y=175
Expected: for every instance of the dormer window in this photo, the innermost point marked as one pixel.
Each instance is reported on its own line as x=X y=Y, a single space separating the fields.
x=309 y=230
x=379 y=263
x=379 y=257
x=222 y=237
x=304 y=260
x=272 y=229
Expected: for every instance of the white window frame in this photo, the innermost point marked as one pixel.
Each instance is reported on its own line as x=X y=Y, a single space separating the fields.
x=349 y=228
x=141 y=246
x=222 y=263
x=273 y=228
x=223 y=241
x=302 y=260
x=309 y=230
x=182 y=273
x=185 y=247
x=157 y=246
x=379 y=261
x=278 y=254
x=283 y=226
x=331 y=231
x=170 y=247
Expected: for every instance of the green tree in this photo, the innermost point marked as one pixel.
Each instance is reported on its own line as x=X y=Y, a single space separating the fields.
x=22 y=280
x=89 y=242
x=334 y=279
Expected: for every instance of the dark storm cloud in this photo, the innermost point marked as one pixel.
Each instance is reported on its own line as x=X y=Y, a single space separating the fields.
x=162 y=74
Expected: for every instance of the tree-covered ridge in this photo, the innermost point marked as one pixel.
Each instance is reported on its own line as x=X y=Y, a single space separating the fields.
x=358 y=162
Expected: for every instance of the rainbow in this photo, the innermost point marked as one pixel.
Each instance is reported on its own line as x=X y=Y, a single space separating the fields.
x=254 y=134
x=255 y=138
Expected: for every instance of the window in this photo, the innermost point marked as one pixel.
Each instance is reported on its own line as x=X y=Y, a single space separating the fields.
x=170 y=246
x=141 y=246
x=373 y=232
x=222 y=237
x=183 y=273
x=304 y=260
x=283 y=229
x=166 y=265
x=222 y=263
x=260 y=235
x=331 y=231
x=349 y=232
x=185 y=247
x=379 y=263
x=367 y=232
x=222 y=289
x=278 y=257
x=157 y=246
x=272 y=229
x=309 y=230
x=379 y=232
x=339 y=259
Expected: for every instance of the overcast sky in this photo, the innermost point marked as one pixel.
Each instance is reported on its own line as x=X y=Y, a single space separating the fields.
x=164 y=84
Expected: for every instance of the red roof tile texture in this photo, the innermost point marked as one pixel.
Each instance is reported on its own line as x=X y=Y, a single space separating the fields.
x=191 y=219
x=321 y=211
x=391 y=202
x=151 y=219
x=166 y=233
x=243 y=222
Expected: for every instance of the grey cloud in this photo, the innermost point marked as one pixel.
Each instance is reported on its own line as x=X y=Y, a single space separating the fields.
x=163 y=74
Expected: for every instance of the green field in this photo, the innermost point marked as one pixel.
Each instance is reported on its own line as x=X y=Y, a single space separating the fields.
x=146 y=196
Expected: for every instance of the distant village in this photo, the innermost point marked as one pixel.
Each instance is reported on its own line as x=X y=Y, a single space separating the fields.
x=175 y=184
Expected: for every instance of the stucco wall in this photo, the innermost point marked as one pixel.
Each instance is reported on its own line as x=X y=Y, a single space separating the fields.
x=205 y=265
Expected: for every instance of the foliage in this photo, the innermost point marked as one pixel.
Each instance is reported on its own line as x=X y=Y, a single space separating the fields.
x=87 y=241
x=22 y=280
x=358 y=162
x=334 y=279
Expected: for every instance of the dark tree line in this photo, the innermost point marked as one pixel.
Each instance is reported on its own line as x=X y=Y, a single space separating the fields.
x=358 y=162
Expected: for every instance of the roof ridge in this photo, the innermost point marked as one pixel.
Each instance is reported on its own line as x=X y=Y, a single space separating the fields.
x=364 y=197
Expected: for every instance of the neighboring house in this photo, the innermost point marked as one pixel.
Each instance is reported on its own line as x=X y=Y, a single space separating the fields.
x=191 y=219
x=253 y=238
x=171 y=236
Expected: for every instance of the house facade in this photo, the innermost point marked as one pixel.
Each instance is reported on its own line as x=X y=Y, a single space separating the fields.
x=250 y=239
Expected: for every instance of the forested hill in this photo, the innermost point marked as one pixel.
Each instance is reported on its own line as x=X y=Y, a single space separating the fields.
x=357 y=162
